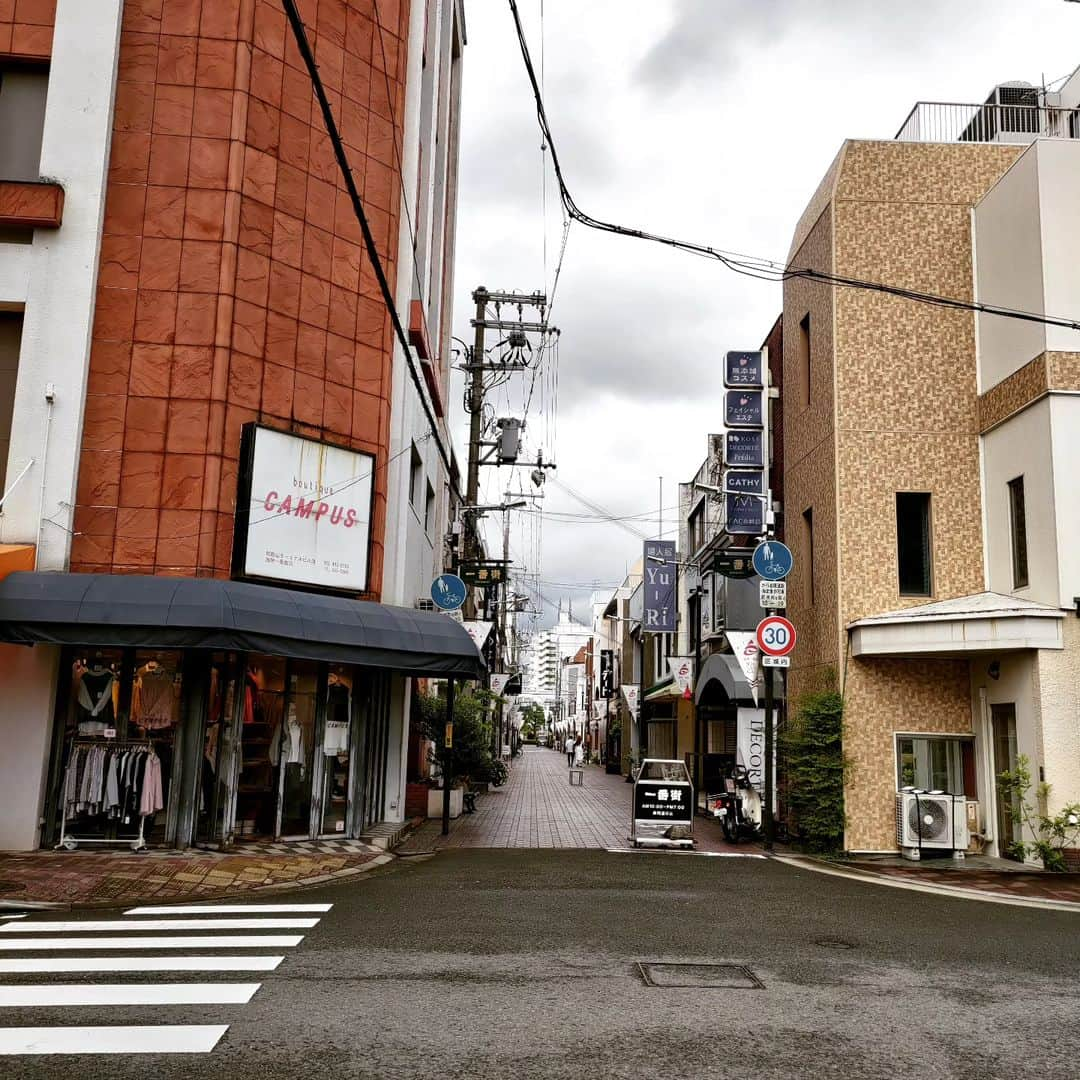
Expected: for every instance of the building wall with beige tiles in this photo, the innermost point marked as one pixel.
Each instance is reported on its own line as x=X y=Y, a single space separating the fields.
x=905 y=418
x=810 y=464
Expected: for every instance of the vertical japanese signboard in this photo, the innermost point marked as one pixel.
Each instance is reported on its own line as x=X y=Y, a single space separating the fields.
x=745 y=412
x=659 y=587
x=606 y=672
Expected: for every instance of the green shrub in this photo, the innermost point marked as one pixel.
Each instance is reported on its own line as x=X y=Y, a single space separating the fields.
x=1050 y=834
x=470 y=757
x=813 y=749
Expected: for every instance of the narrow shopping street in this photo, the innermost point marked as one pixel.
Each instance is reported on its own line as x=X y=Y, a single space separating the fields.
x=538 y=808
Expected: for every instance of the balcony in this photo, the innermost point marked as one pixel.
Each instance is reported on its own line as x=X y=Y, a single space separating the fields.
x=947 y=122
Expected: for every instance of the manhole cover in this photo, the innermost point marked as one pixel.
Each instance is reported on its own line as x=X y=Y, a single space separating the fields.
x=834 y=943
x=700 y=976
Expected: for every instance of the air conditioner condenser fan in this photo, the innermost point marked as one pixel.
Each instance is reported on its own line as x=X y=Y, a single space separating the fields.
x=927 y=819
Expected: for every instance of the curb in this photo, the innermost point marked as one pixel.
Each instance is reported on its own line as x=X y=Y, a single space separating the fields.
x=15 y=906
x=870 y=877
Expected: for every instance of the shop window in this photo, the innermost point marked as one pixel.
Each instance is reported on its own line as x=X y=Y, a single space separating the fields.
x=336 y=743
x=22 y=122
x=936 y=764
x=416 y=480
x=913 y=543
x=294 y=750
x=429 y=509
x=802 y=342
x=220 y=746
x=11 y=324
x=263 y=710
x=808 y=547
x=117 y=745
x=1018 y=532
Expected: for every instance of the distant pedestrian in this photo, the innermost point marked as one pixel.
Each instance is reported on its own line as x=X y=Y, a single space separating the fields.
x=570 y=744
x=579 y=753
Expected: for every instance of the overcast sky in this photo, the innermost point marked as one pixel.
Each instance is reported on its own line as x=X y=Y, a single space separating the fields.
x=708 y=120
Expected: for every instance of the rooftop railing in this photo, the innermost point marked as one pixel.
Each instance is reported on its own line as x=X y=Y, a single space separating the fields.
x=943 y=121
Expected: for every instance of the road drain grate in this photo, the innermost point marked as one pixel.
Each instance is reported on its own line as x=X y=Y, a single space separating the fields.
x=699 y=976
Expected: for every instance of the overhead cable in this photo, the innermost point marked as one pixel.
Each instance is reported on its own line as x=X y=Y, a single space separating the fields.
x=749 y=266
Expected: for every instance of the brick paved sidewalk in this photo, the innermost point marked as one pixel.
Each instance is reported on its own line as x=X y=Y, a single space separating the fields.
x=103 y=878
x=538 y=808
x=1032 y=885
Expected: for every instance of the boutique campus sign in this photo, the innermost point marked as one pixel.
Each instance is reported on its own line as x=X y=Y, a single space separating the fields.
x=303 y=511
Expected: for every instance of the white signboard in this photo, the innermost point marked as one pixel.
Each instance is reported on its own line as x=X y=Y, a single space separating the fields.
x=746 y=652
x=776 y=661
x=772 y=594
x=310 y=512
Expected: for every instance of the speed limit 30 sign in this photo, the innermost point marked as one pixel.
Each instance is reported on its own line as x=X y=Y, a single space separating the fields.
x=775 y=636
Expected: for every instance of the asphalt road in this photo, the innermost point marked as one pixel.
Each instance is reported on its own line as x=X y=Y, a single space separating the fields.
x=522 y=964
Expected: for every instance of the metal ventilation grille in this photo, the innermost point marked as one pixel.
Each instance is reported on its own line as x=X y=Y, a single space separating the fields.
x=927 y=819
x=424 y=603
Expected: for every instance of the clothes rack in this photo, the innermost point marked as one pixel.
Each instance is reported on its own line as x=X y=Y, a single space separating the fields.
x=137 y=843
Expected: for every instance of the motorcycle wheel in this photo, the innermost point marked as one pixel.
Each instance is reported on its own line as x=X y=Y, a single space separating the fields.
x=731 y=829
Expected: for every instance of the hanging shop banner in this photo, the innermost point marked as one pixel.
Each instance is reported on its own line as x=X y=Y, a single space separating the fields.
x=751 y=745
x=682 y=671
x=607 y=672
x=743 y=408
x=478 y=631
x=744 y=481
x=744 y=646
x=303 y=511
x=498 y=682
x=630 y=693
x=743 y=369
x=744 y=449
x=482 y=573
x=745 y=514
x=659 y=599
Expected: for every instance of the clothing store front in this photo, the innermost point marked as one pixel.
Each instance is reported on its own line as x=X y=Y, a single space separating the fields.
x=211 y=712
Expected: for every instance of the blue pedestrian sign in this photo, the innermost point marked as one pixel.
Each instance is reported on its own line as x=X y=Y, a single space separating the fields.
x=448 y=592
x=773 y=560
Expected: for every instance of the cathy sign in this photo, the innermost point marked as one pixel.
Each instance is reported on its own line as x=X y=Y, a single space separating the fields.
x=304 y=512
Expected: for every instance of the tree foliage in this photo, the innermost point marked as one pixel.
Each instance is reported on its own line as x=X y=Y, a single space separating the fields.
x=469 y=758
x=814 y=754
x=1049 y=834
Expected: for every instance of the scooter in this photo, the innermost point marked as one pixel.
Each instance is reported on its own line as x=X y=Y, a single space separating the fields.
x=738 y=806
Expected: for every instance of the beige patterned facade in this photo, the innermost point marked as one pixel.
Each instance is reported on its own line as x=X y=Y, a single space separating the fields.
x=902 y=413
x=1049 y=371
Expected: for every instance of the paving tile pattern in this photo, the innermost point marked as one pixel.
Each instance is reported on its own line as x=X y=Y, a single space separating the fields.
x=1034 y=885
x=104 y=877
x=539 y=809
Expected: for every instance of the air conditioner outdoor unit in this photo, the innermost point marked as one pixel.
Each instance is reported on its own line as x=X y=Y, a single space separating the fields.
x=928 y=821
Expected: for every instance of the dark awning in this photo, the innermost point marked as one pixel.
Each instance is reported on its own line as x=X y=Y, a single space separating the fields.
x=208 y=613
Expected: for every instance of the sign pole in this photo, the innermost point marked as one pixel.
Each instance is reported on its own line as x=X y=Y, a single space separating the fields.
x=448 y=742
x=767 y=809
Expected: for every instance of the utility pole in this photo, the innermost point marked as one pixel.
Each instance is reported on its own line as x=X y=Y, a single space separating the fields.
x=475 y=402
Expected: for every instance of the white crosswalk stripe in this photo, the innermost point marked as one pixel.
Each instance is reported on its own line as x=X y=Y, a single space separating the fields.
x=77 y=947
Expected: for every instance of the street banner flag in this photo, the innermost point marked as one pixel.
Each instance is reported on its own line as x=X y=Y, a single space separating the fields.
x=478 y=631
x=746 y=651
x=682 y=671
x=499 y=681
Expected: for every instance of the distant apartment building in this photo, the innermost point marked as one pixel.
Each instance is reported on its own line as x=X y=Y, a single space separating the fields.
x=213 y=446
x=929 y=457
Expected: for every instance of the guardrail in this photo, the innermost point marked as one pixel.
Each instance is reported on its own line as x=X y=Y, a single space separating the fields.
x=944 y=121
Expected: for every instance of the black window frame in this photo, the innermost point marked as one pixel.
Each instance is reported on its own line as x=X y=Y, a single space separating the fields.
x=910 y=537
x=1018 y=532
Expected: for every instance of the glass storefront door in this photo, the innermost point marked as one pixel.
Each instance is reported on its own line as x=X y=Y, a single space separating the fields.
x=331 y=810
x=296 y=750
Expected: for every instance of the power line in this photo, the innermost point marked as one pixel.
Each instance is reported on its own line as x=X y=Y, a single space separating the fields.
x=302 y=43
x=749 y=266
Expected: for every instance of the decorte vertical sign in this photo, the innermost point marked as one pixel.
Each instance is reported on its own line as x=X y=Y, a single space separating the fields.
x=659 y=587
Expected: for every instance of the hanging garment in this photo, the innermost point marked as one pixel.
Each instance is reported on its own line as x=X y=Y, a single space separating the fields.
x=151 y=799
x=96 y=701
x=336 y=739
x=157 y=700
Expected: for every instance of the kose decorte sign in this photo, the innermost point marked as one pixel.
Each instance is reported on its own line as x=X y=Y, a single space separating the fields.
x=310 y=511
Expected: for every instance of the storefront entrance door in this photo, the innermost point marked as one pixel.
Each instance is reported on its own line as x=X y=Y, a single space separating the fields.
x=297 y=751
x=1003 y=718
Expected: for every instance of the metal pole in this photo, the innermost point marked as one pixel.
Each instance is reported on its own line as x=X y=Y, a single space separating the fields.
x=476 y=410
x=448 y=741
x=767 y=809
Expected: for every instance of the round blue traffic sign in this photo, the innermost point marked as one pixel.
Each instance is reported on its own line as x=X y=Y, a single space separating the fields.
x=448 y=592
x=773 y=560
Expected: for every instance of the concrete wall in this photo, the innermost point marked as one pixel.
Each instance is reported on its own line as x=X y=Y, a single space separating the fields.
x=1058 y=675
x=1065 y=435
x=1022 y=446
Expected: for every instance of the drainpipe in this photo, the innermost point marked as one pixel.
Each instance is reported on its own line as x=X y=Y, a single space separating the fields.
x=50 y=397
